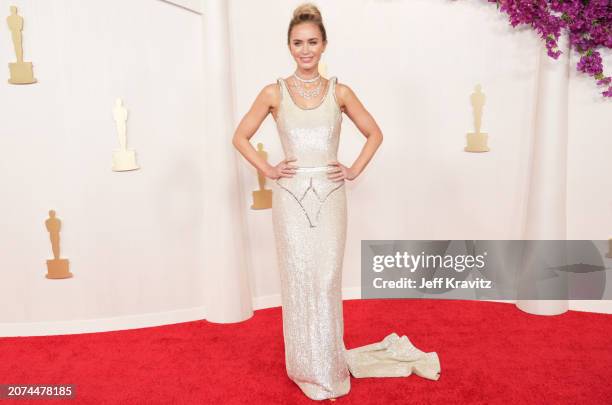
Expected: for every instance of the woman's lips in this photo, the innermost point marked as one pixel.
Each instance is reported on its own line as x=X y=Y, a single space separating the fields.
x=306 y=59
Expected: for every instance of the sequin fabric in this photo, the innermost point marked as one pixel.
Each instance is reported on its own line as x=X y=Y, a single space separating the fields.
x=309 y=219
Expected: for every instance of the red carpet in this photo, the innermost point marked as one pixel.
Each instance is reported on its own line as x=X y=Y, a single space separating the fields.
x=491 y=353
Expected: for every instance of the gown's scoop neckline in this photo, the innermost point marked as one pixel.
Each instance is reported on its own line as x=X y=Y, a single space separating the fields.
x=309 y=108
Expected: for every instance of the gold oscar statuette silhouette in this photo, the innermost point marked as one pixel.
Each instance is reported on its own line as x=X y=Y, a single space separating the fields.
x=21 y=72
x=56 y=267
x=609 y=255
x=123 y=158
x=262 y=198
x=477 y=141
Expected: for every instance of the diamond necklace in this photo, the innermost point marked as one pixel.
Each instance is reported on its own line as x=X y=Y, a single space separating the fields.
x=302 y=91
x=307 y=80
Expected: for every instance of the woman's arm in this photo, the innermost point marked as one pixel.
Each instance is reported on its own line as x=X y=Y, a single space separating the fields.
x=352 y=107
x=265 y=101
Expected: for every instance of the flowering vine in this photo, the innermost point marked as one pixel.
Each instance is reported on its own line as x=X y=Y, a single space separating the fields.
x=588 y=23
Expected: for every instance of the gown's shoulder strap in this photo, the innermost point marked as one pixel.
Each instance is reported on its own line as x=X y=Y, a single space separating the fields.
x=332 y=89
x=332 y=82
x=281 y=84
x=283 y=89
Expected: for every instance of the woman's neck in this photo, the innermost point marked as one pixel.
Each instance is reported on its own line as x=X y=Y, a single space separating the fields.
x=308 y=74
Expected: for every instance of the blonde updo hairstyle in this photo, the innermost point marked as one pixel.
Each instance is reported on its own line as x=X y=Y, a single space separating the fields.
x=304 y=13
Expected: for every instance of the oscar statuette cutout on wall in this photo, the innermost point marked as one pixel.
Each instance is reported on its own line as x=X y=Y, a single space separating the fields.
x=56 y=267
x=21 y=72
x=123 y=159
x=262 y=198
x=477 y=141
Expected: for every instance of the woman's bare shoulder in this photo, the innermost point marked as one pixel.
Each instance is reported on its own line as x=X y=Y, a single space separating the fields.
x=271 y=93
x=343 y=93
x=343 y=89
x=268 y=97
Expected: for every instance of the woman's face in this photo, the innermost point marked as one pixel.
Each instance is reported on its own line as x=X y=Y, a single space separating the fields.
x=306 y=45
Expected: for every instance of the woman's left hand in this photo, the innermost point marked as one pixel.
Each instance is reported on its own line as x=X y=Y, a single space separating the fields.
x=339 y=172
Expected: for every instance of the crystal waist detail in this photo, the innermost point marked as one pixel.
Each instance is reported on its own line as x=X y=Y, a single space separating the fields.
x=308 y=169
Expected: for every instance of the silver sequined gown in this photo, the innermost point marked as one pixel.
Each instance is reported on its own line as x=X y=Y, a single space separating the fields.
x=310 y=220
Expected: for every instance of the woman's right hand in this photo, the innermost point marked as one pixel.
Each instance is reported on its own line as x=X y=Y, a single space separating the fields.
x=283 y=169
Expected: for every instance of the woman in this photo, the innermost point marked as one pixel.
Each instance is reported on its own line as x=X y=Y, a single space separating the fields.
x=309 y=209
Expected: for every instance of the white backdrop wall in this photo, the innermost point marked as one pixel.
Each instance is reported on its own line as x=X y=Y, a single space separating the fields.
x=134 y=239
x=413 y=64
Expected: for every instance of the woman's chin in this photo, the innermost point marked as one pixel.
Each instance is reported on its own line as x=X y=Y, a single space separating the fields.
x=307 y=66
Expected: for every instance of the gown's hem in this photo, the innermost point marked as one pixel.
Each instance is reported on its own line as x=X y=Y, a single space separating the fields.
x=318 y=393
